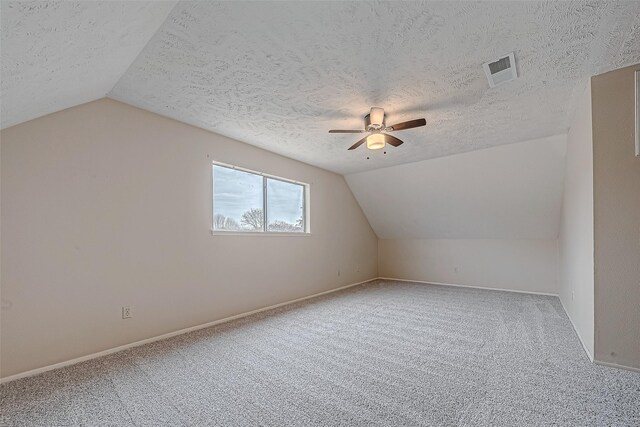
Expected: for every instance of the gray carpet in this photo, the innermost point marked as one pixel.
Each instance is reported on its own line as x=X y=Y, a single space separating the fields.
x=382 y=354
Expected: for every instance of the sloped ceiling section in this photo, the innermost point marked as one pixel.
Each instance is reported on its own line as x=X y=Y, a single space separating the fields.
x=508 y=192
x=58 y=54
x=279 y=75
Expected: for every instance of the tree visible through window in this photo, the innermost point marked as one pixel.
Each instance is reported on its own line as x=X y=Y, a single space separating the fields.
x=246 y=201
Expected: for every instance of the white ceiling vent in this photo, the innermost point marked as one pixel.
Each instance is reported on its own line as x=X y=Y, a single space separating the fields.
x=501 y=71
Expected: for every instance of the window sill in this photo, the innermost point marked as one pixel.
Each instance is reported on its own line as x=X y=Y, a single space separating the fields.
x=256 y=233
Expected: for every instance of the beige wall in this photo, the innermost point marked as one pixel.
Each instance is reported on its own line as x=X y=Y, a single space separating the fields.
x=617 y=219
x=522 y=265
x=105 y=205
x=486 y=218
x=576 y=225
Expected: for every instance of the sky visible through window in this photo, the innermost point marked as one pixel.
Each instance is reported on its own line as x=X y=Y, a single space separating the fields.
x=237 y=192
x=284 y=201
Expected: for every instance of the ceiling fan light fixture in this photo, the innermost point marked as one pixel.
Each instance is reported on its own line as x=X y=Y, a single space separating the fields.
x=375 y=141
x=374 y=124
x=376 y=117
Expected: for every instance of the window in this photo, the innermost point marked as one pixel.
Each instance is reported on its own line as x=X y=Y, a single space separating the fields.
x=247 y=201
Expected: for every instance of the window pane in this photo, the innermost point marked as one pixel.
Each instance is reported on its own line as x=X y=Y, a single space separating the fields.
x=285 y=206
x=237 y=200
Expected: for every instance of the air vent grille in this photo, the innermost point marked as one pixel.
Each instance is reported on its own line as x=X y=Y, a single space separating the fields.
x=501 y=71
x=499 y=65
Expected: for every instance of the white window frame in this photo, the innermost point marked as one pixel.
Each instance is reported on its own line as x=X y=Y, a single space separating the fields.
x=305 y=209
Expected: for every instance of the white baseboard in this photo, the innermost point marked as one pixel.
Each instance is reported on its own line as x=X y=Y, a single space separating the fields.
x=586 y=349
x=468 y=286
x=271 y=307
x=169 y=335
x=615 y=365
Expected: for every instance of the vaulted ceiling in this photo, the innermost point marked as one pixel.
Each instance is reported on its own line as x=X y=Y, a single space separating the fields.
x=279 y=75
x=512 y=191
x=58 y=54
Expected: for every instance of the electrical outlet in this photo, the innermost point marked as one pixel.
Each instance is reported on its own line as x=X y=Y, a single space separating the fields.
x=126 y=312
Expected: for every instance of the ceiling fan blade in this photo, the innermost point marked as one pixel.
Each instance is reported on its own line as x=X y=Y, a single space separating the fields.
x=345 y=131
x=359 y=143
x=392 y=140
x=407 y=125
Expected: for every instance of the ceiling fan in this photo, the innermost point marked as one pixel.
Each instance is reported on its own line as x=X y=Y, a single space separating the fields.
x=374 y=122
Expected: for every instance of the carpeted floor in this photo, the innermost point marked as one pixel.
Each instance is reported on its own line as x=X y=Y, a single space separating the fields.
x=382 y=354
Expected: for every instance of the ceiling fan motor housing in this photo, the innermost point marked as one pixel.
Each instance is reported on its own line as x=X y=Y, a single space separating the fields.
x=373 y=127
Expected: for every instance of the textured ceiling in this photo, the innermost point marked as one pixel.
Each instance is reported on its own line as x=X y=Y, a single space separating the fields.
x=57 y=54
x=279 y=75
x=508 y=192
